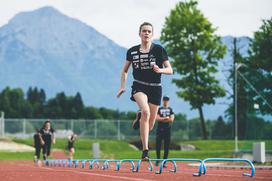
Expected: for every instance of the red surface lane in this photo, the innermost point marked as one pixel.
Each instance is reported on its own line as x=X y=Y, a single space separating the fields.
x=27 y=171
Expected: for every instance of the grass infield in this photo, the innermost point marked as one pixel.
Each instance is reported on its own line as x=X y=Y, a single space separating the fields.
x=112 y=149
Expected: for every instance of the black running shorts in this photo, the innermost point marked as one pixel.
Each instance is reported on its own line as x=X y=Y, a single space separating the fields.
x=153 y=93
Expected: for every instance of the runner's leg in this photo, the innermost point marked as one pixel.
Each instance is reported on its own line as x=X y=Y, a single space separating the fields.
x=142 y=103
x=153 y=114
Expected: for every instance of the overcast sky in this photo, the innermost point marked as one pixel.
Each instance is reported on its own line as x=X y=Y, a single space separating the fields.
x=119 y=19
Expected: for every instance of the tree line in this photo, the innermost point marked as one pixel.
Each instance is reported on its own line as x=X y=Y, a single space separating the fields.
x=16 y=104
x=33 y=104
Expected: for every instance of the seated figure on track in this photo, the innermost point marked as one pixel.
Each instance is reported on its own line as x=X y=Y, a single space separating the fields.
x=148 y=61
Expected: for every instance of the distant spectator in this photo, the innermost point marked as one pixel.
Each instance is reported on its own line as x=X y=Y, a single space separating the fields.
x=165 y=118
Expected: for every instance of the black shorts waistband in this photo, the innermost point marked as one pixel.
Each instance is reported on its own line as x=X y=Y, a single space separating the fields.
x=147 y=83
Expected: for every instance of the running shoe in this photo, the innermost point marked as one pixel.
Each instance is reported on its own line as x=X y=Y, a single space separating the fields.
x=145 y=156
x=35 y=159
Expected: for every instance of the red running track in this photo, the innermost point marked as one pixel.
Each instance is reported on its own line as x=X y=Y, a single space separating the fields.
x=28 y=171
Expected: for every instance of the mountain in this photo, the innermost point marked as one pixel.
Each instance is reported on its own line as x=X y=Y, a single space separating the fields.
x=47 y=49
x=50 y=50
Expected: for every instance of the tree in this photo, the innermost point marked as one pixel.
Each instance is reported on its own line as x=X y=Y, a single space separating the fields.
x=78 y=105
x=4 y=102
x=36 y=98
x=260 y=66
x=92 y=113
x=12 y=102
x=221 y=129
x=189 y=39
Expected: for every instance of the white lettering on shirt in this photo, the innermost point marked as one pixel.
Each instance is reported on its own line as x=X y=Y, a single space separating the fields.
x=135 y=57
x=144 y=56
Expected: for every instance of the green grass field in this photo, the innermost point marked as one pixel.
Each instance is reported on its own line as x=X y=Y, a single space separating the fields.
x=120 y=149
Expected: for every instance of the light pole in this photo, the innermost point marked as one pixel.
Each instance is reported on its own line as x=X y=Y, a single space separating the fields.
x=236 y=149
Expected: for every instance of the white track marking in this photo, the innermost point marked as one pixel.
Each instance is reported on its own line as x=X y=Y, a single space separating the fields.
x=88 y=173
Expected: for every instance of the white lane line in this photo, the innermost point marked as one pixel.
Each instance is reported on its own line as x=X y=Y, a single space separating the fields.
x=89 y=173
x=224 y=175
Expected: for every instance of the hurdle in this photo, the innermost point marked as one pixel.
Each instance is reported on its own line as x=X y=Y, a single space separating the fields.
x=96 y=161
x=83 y=163
x=174 y=160
x=129 y=161
x=204 y=169
x=74 y=162
x=106 y=164
x=150 y=168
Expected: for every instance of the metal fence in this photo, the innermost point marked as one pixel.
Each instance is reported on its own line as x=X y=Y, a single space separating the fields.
x=102 y=129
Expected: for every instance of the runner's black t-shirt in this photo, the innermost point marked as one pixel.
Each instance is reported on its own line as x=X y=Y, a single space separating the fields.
x=71 y=142
x=165 y=112
x=142 y=63
x=47 y=135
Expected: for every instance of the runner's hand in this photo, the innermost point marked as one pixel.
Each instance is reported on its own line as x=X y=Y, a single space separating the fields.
x=120 y=92
x=157 y=69
x=167 y=118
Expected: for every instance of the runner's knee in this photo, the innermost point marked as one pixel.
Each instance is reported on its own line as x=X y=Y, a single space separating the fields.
x=145 y=114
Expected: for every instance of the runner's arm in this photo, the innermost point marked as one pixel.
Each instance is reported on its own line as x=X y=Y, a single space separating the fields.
x=53 y=138
x=41 y=140
x=168 y=119
x=167 y=68
x=161 y=119
x=123 y=78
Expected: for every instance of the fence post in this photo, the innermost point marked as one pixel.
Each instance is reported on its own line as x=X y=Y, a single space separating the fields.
x=188 y=129
x=118 y=130
x=72 y=125
x=2 y=124
x=95 y=129
x=24 y=127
